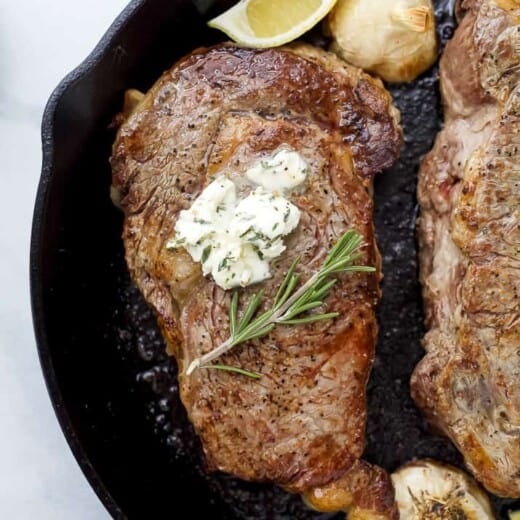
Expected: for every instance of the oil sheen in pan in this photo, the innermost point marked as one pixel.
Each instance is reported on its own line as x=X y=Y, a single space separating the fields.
x=396 y=431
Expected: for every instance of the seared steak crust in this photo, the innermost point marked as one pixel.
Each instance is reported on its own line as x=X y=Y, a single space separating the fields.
x=217 y=111
x=469 y=191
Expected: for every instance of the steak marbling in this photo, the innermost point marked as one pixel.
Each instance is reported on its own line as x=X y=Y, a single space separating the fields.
x=469 y=191
x=302 y=425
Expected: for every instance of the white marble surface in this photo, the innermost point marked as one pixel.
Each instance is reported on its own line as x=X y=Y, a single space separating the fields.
x=40 y=41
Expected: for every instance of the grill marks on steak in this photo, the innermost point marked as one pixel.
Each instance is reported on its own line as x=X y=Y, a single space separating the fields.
x=469 y=191
x=218 y=111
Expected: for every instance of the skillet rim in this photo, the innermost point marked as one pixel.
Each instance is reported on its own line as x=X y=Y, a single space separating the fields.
x=41 y=204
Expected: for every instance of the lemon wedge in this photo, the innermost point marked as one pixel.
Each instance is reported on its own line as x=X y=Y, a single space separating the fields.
x=265 y=23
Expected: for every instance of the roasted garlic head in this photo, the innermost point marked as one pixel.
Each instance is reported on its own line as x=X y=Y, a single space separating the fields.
x=430 y=490
x=394 y=39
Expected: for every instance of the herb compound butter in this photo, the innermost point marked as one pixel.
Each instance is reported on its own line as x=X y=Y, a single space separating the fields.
x=284 y=171
x=235 y=239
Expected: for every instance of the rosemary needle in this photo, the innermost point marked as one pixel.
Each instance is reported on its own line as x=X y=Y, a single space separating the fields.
x=290 y=306
x=236 y=370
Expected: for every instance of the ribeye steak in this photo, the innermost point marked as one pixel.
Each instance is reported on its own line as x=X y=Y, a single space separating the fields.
x=469 y=191
x=302 y=425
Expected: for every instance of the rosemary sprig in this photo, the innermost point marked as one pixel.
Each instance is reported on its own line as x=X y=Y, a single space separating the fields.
x=290 y=304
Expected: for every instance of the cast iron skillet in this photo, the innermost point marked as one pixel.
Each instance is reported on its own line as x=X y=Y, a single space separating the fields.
x=113 y=388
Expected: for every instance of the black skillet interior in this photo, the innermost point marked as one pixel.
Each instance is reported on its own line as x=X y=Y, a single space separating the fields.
x=113 y=388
